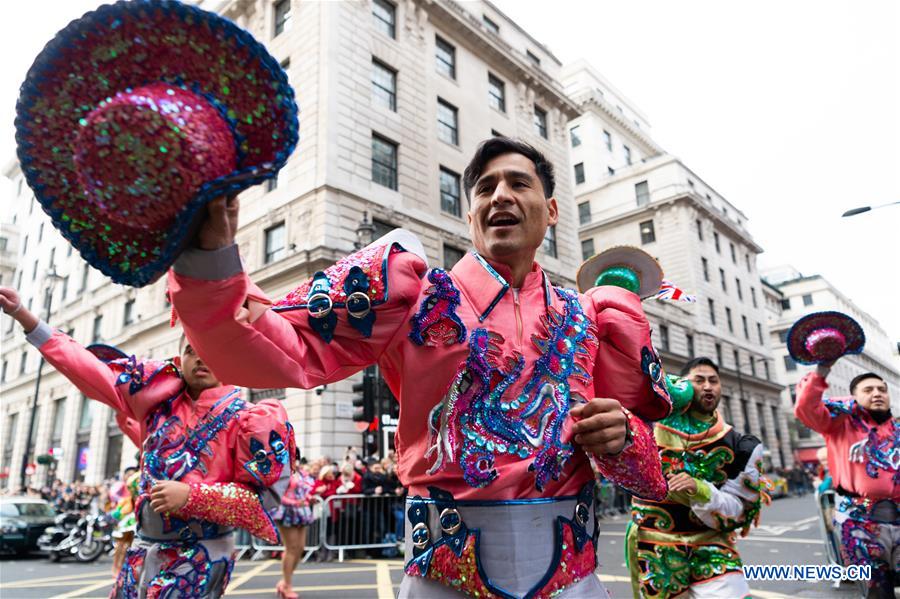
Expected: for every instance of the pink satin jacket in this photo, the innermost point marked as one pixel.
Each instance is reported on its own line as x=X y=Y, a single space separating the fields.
x=863 y=456
x=485 y=374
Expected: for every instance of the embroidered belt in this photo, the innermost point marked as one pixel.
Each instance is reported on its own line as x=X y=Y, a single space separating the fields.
x=451 y=542
x=884 y=511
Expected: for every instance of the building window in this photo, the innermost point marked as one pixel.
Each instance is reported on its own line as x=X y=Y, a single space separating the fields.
x=627 y=151
x=740 y=290
x=782 y=336
x=737 y=361
x=766 y=369
x=540 y=121
x=23 y=362
x=492 y=26
x=733 y=254
x=275 y=243
x=642 y=193
x=574 y=137
x=752 y=366
x=747 y=260
x=648 y=235
x=3 y=375
x=690 y=345
x=786 y=303
x=384 y=85
x=745 y=327
x=496 y=93
x=34 y=270
x=699 y=230
x=448 y=126
x=712 y=311
x=549 y=246
x=452 y=255
x=807 y=299
x=59 y=420
x=25 y=245
x=719 y=355
x=84 y=278
x=789 y=364
x=611 y=171
x=272 y=184
x=445 y=57
x=705 y=264
x=753 y=296
x=716 y=241
x=607 y=140
x=584 y=213
x=384 y=162
x=587 y=248
x=450 y=201
x=579 y=173
x=41 y=233
x=98 y=327
x=128 y=314
x=759 y=334
x=664 y=337
x=722 y=279
x=533 y=58
x=728 y=320
x=385 y=15
x=282 y=16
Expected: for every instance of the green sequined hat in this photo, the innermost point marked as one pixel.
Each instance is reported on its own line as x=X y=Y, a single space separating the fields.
x=623 y=266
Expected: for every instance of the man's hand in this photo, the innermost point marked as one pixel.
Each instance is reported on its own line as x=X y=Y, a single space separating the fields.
x=682 y=482
x=169 y=496
x=600 y=426
x=220 y=226
x=11 y=304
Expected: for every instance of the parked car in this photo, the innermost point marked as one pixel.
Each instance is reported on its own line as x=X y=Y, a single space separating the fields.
x=777 y=486
x=22 y=522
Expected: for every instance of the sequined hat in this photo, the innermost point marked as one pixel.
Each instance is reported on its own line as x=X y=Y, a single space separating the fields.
x=824 y=337
x=136 y=115
x=623 y=266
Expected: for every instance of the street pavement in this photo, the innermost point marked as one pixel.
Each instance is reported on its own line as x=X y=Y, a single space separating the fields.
x=789 y=534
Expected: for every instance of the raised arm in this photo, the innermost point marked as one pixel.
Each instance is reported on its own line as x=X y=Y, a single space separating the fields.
x=810 y=409
x=329 y=327
x=121 y=383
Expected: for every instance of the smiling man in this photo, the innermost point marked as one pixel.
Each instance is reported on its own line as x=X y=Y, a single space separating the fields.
x=684 y=546
x=513 y=393
x=863 y=441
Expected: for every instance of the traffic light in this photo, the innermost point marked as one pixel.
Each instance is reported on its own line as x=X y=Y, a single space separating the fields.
x=364 y=397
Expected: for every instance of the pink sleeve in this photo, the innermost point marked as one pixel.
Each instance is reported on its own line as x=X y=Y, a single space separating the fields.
x=636 y=468
x=264 y=451
x=627 y=368
x=230 y=504
x=238 y=331
x=810 y=409
x=130 y=387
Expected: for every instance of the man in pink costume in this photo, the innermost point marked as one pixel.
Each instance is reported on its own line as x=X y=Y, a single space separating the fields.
x=209 y=459
x=513 y=392
x=863 y=442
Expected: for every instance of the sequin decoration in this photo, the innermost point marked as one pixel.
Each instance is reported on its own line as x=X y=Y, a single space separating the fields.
x=667 y=570
x=876 y=451
x=436 y=322
x=230 y=504
x=126 y=585
x=652 y=367
x=139 y=374
x=708 y=466
x=188 y=571
x=478 y=423
x=137 y=114
x=260 y=465
x=637 y=468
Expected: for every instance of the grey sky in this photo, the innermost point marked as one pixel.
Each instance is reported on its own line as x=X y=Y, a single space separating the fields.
x=791 y=110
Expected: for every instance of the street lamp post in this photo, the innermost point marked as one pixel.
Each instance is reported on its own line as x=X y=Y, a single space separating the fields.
x=861 y=209
x=365 y=232
x=50 y=280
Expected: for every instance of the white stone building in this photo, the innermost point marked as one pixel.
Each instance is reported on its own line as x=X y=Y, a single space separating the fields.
x=630 y=192
x=394 y=97
x=801 y=295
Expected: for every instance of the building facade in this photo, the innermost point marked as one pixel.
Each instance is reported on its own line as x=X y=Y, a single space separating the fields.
x=799 y=295
x=643 y=197
x=394 y=97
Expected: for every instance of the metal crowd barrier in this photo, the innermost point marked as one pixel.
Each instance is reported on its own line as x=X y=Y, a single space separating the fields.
x=363 y=522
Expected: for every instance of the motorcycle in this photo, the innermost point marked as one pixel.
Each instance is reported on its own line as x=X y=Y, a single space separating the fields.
x=98 y=538
x=64 y=537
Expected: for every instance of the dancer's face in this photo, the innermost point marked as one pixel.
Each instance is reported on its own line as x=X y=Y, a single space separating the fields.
x=509 y=214
x=872 y=394
x=196 y=374
x=707 y=389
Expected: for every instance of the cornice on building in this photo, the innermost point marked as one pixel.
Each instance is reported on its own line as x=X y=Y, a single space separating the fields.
x=590 y=100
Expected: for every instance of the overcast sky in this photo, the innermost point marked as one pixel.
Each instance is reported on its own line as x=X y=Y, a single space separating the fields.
x=791 y=110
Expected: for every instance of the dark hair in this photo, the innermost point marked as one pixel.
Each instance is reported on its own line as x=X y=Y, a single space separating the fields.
x=700 y=361
x=861 y=377
x=497 y=146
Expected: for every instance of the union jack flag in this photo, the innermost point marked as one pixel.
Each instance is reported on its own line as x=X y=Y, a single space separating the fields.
x=668 y=291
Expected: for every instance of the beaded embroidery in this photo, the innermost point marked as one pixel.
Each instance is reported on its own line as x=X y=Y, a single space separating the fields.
x=436 y=323
x=136 y=375
x=652 y=367
x=260 y=464
x=667 y=570
x=195 y=575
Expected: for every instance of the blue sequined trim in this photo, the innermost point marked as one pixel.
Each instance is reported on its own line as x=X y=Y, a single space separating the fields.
x=436 y=322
